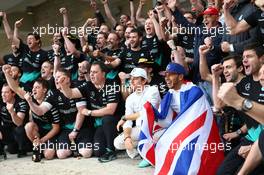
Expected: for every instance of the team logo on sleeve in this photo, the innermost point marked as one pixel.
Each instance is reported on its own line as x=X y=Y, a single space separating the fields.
x=247 y=86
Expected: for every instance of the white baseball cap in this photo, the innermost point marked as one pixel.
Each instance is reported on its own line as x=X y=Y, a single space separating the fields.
x=139 y=72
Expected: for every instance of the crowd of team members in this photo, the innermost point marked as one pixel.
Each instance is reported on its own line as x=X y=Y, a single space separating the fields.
x=79 y=90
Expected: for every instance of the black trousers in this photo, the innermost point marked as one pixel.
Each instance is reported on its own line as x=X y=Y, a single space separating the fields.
x=104 y=136
x=15 y=138
x=233 y=162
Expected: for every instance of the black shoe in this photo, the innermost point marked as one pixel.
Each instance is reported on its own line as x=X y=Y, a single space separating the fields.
x=3 y=155
x=108 y=156
x=21 y=154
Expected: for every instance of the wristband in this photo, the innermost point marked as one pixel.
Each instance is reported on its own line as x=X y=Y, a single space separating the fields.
x=124 y=118
x=57 y=55
x=89 y=113
x=231 y=48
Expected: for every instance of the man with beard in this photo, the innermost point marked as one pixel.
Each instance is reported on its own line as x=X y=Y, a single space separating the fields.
x=110 y=56
x=204 y=34
x=256 y=154
x=129 y=57
x=250 y=89
x=123 y=18
x=32 y=55
x=73 y=55
x=228 y=118
x=42 y=128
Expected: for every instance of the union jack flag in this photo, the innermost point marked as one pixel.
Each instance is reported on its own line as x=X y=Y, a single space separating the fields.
x=189 y=145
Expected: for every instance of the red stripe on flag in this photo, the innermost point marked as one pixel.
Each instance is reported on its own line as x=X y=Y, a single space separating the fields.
x=151 y=155
x=192 y=127
x=211 y=161
x=150 y=117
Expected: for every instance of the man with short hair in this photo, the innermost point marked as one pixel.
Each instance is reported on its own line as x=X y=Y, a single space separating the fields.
x=142 y=93
x=103 y=97
x=207 y=34
x=14 y=115
x=256 y=154
x=250 y=88
x=32 y=56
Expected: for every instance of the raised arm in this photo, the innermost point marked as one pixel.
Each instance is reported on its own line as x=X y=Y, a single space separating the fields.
x=11 y=82
x=160 y=26
x=16 y=40
x=70 y=46
x=132 y=13
x=232 y=25
x=203 y=66
x=64 y=86
x=98 y=14
x=37 y=109
x=17 y=117
x=140 y=19
x=108 y=13
x=65 y=17
x=217 y=70
x=8 y=30
x=57 y=61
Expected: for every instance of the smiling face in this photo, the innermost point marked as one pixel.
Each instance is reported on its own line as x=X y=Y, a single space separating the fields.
x=100 y=41
x=120 y=30
x=7 y=94
x=32 y=42
x=134 y=40
x=38 y=91
x=112 y=41
x=251 y=62
x=210 y=21
x=56 y=38
x=104 y=28
x=173 y=80
x=230 y=70
x=123 y=20
x=149 y=27
x=83 y=69
x=137 y=84
x=15 y=72
x=46 y=70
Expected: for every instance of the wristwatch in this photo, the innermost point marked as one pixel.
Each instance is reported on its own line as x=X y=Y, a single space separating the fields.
x=247 y=105
x=75 y=130
x=239 y=132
